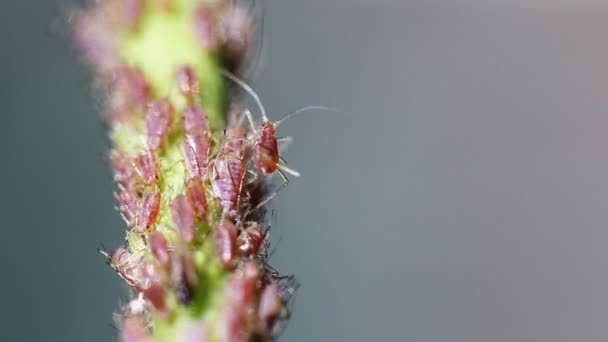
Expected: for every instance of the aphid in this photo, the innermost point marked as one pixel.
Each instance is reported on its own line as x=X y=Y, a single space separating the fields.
x=183 y=277
x=196 y=143
x=160 y=248
x=127 y=204
x=240 y=295
x=225 y=243
x=152 y=287
x=148 y=212
x=133 y=329
x=228 y=172
x=158 y=123
x=197 y=198
x=130 y=89
x=125 y=264
x=122 y=169
x=270 y=306
x=251 y=239
x=186 y=82
x=206 y=27
x=156 y=296
x=183 y=217
x=146 y=168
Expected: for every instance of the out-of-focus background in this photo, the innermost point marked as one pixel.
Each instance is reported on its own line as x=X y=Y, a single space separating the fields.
x=462 y=196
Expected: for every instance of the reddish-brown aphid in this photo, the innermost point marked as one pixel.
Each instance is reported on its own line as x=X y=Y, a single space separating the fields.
x=225 y=243
x=127 y=204
x=155 y=294
x=270 y=306
x=266 y=149
x=152 y=287
x=183 y=277
x=229 y=168
x=186 y=82
x=196 y=144
x=130 y=89
x=206 y=27
x=160 y=248
x=122 y=169
x=240 y=295
x=133 y=329
x=251 y=239
x=158 y=122
x=197 y=198
x=146 y=168
x=183 y=217
x=148 y=214
x=125 y=264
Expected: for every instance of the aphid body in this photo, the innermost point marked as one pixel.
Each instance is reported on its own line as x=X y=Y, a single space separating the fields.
x=158 y=122
x=148 y=213
x=196 y=143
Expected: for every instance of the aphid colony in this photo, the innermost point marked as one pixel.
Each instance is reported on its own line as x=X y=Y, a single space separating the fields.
x=192 y=196
x=234 y=169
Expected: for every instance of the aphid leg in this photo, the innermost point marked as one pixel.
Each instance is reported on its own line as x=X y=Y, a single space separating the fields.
x=284 y=168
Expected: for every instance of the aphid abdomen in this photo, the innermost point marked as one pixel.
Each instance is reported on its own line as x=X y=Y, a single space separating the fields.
x=266 y=150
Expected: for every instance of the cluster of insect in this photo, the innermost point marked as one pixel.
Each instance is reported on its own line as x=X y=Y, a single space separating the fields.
x=235 y=170
x=219 y=205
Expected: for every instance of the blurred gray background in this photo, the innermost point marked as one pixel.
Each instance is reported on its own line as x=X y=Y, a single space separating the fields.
x=462 y=197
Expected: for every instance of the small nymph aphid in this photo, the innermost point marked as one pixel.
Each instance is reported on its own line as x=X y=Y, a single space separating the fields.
x=196 y=143
x=158 y=122
x=225 y=234
x=183 y=217
x=150 y=207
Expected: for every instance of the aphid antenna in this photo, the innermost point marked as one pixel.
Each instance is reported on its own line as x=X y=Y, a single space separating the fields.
x=105 y=254
x=302 y=110
x=249 y=90
x=284 y=168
